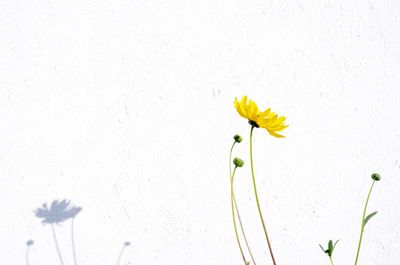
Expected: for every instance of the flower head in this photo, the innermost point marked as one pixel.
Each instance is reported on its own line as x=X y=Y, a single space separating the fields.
x=267 y=119
x=59 y=211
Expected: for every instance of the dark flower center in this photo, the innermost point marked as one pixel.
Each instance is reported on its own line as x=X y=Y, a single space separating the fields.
x=253 y=123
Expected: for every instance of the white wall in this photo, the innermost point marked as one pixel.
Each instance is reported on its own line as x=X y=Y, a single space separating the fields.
x=126 y=108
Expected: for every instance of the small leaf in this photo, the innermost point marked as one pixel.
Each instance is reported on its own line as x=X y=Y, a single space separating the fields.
x=322 y=248
x=369 y=217
x=247 y=262
x=335 y=244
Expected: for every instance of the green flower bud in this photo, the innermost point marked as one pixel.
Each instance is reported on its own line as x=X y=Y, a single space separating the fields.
x=376 y=177
x=237 y=138
x=238 y=162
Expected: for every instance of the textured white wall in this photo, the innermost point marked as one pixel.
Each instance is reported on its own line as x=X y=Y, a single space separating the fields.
x=126 y=108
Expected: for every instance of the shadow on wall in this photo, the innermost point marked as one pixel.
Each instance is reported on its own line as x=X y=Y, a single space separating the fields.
x=61 y=211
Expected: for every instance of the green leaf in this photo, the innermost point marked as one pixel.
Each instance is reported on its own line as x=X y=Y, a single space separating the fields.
x=335 y=244
x=322 y=248
x=369 y=217
x=330 y=248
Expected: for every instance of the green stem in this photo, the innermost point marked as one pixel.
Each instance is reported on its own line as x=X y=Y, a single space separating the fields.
x=330 y=258
x=237 y=209
x=243 y=234
x=256 y=195
x=234 y=219
x=363 y=222
x=230 y=160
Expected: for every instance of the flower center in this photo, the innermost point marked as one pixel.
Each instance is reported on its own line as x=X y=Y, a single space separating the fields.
x=253 y=123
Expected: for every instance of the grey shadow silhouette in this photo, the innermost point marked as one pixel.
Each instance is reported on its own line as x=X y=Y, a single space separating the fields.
x=29 y=243
x=59 y=211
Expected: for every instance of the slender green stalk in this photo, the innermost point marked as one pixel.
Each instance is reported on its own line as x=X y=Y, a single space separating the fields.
x=230 y=160
x=234 y=218
x=241 y=228
x=363 y=222
x=256 y=195
x=237 y=209
x=330 y=258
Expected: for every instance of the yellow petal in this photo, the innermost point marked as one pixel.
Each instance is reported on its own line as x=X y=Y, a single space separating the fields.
x=266 y=112
x=252 y=110
x=243 y=106
x=276 y=134
x=239 y=108
x=281 y=119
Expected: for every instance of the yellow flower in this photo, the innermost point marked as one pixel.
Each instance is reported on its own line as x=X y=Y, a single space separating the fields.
x=267 y=119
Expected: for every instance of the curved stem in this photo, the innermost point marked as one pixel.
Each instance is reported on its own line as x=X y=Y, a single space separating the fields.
x=234 y=218
x=237 y=208
x=27 y=255
x=241 y=228
x=57 y=246
x=230 y=160
x=73 y=241
x=120 y=255
x=330 y=258
x=363 y=222
x=256 y=195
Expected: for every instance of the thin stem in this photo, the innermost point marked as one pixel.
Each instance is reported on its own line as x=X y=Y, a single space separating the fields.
x=330 y=258
x=57 y=246
x=241 y=228
x=256 y=195
x=234 y=219
x=27 y=255
x=230 y=160
x=363 y=222
x=73 y=240
x=237 y=209
x=120 y=254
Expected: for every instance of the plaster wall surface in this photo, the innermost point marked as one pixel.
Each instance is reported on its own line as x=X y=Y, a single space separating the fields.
x=126 y=108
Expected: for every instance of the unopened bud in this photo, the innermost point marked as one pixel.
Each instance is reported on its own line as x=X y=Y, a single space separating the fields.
x=376 y=177
x=238 y=162
x=237 y=138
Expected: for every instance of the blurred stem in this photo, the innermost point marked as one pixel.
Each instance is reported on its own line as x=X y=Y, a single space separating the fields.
x=330 y=258
x=73 y=241
x=57 y=246
x=27 y=255
x=120 y=254
x=256 y=195
x=363 y=222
